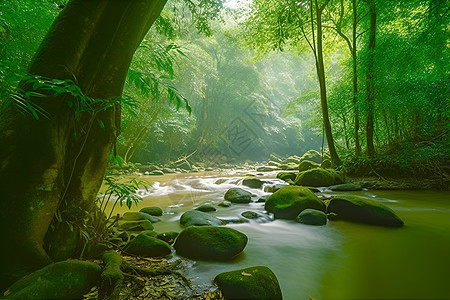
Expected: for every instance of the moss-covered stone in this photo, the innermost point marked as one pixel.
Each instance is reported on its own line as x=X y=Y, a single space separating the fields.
x=136 y=216
x=215 y=243
x=275 y=187
x=345 y=187
x=312 y=155
x=294 y=159
x=136 y=225
x=289 y=201
x=363 y=210
x=315 y=177
x=263 y=198
x=312 y=217
x=168 y=237
x=224 y=204
x=147 y=246
x=266 y=169
x=199 y=218
x=255 y=183
x=287 y=175
x=326 y=163
x=152 y=210
x=339 y=177
x=258 y=283
x=250 y=214
x=306 y=165
x=289 y=166
x=69 y=279
x=238 y=195
x=207 y=207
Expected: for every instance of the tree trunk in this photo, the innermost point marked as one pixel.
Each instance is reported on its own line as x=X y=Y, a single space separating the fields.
x=57 y=163
x=335 y=160
x=370 y=85
x=355 y=78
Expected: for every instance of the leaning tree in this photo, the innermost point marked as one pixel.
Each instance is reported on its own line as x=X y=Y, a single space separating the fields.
x=55 y=164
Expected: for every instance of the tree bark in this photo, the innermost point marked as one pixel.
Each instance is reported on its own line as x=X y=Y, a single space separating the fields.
x=355 y=77
x=335 y=160
x=57 y=163
x=370 y=84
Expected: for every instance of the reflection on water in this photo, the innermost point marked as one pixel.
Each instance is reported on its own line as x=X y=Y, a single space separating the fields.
x=341 y=260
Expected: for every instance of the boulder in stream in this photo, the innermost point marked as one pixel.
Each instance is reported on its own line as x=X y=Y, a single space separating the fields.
x=253 y=182
x=312 y=155
x=238 y=195
x=152 y=210
x=363 y=210
x=137 y=216
x=315 y=177
x=136 y=225
x=207 y=207
x=69 y=279
x=289 y=201
x=168 y=237
x=199 y=218
x=147 y=246
x=306 y=165
x=266 y=169
x=258 y=283
x=312 y=217
x=286 y=176
x=216 y=243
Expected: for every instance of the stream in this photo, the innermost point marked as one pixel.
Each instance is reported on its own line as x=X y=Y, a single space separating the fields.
x=341 y=260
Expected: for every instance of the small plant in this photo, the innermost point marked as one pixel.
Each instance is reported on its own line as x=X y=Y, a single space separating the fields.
x=122 y=192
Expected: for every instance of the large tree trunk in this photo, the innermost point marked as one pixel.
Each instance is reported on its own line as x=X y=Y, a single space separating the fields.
x=56 y=163
x=370 y=84
x=355 y=77
x=323 y=90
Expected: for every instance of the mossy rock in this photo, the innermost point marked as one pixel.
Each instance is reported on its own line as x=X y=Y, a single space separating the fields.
x=275 y=158
x=339 y=177
x=224 y=204
x=207 y=207
x=275 y=187
x=289 y=166
x=69 y=279
x=214 y=243
x=238 y=195
x=152 y=210
x=199 y=218
x=136 y=216
x=258 y=283
x=289 y=201
x=306 y=165
x=326 y=163
x=150 y=233
x=312 y=217
x=273 y=164
x=363 y=210
x=287 y=176
x=250 y=214
x=147 y=246
x=315 y=177
x=312 y=155
x=294 y=159
x=345 y=187
x=266 y=169
x=136 y=225
x=168 y=237
x=253 y=183
x=263 y=198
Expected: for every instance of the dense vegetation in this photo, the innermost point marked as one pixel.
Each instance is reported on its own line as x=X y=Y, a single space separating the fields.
x=367 y=80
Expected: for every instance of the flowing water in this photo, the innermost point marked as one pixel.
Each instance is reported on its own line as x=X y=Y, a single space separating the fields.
x=341 y=260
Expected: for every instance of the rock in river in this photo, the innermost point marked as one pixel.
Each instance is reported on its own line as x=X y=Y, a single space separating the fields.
x=137 y=216
x=238 y=195
x=147 y=246
x=312 y=217
x=199 y=218
x=345 y=187
x=152 y=210
x=289 y=201
x=253 y=183
x=315 y=177
x=363 y=210
x=216 y=243
x=258 y=283
x=207 y=207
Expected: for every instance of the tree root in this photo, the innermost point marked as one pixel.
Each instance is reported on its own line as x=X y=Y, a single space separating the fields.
x=116 y=269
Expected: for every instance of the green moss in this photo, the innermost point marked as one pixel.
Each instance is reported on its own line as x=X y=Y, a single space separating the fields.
x=312 y=217
x=289 y=201
x=147 y=246
x=238 y=195
x=199 y=218
x=286 y=176
x=306 y=165
x=216 y=243
x=315 y=177
x=154 y=211
x=363 y=210
x=258 y=283
x=69 y=279
x=136 y=225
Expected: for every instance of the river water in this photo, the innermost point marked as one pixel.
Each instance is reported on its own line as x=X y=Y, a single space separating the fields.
x=341 y=260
